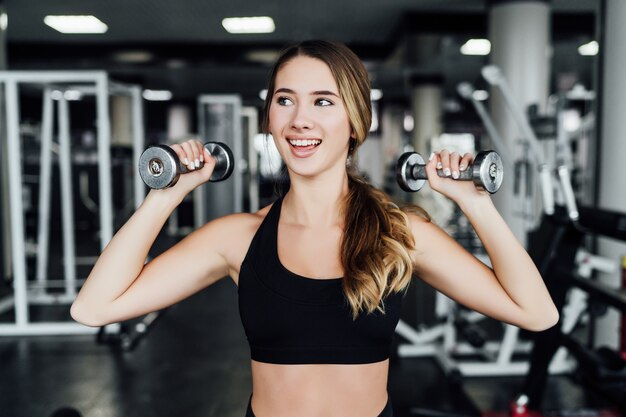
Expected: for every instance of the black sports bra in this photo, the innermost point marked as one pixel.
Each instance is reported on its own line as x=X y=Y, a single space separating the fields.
x=291 y=319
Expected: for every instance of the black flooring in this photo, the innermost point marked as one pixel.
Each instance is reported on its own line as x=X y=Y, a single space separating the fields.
x=194 y=361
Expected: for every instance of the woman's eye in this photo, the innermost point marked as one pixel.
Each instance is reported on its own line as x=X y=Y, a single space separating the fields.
x=284 y=101
x=323 y=102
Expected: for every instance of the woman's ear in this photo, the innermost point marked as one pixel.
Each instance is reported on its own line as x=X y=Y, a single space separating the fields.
x=352 y=144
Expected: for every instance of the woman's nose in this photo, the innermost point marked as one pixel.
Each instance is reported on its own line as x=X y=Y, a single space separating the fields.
x=301 y=118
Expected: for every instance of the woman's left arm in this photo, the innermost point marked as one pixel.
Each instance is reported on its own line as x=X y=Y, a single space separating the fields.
x=513 y=291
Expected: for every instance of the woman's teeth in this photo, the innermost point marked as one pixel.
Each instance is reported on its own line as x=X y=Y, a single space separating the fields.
x=305 y=142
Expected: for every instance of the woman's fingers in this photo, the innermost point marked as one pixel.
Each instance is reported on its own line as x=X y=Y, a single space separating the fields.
x=190 y=153
x=455 y=159
x=451 y=163
x=466 y=161
x=444 y=162
x=193 y=154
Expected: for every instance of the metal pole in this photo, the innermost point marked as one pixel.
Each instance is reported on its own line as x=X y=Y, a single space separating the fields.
x=5 y=222
x=253 y=169
x=238 y=155
x=104 y=159
x=18 y=237
x=138 y=142
x=45 y=185
x=611 y=193
x=67 y=206
x=199 y=215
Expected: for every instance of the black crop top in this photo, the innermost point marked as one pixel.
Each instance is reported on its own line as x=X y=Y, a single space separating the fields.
x=291 y=319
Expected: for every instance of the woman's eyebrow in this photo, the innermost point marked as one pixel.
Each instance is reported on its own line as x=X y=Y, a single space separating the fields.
x=314 y=93
x=324 y=93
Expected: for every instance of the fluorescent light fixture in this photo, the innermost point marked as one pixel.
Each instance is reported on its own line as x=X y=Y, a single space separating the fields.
x=157 y=95
x=133 y=57
x=589 y=49
x=480 y=95
x=376 y=94
x=76 y=24
x=263 y=56
x=4 y=21
x=258 y=24
x=476 y=47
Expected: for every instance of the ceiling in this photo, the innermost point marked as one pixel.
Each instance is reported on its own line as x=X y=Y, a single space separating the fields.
x=182 y=46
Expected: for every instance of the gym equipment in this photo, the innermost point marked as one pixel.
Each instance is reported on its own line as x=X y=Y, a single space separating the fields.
x=494 y=77
x=555 y=259
x=57 y=87
x=131 y=332
x=486 y=172
x=159 y=166
x=466 y=90
x=220 y=116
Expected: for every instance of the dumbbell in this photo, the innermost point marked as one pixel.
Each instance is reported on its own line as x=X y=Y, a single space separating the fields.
x=486 y=172
x=159 y=166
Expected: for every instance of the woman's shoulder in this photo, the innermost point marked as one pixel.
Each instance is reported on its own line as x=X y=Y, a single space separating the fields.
x=232 y=234
x=237 y=224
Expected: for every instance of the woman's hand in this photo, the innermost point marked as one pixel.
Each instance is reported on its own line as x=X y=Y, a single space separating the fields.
x=452 y=164
x=191 y=154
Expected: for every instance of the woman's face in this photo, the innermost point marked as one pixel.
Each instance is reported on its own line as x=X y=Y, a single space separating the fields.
x=307 y=118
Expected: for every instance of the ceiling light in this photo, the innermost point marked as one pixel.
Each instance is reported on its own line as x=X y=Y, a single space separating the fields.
x=376 y=94
x=259 y=24
x=133 y=57
x=263 y=94
x=263 y=56
x=589 y=49
x=76 y=24
x=157 y=95
x=476 y=47
x=4 y=21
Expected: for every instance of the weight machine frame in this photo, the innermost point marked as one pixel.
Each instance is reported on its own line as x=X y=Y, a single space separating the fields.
x=55 y=84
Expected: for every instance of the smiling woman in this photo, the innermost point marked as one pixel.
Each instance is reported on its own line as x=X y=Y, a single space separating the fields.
x=320 y=272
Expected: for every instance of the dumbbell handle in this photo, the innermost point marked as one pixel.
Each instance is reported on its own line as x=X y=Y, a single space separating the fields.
x=182 y=168
x=418 y=172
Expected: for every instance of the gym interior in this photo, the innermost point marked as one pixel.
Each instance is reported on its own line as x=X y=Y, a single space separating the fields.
x=87 y=86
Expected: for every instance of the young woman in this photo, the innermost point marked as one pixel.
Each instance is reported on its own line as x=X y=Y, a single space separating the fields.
x=321 y=271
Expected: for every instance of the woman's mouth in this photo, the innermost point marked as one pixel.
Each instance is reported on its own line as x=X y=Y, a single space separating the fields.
x=304 y=143
x=303 y=147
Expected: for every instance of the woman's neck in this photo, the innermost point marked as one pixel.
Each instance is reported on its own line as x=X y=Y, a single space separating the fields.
x=315 y=201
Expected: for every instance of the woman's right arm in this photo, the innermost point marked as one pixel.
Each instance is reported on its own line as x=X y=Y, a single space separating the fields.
x=120 y=286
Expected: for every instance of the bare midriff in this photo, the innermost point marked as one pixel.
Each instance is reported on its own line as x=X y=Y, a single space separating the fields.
x=319 y=390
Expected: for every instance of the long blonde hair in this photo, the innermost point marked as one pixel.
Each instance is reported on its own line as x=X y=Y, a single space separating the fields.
x=377 y=236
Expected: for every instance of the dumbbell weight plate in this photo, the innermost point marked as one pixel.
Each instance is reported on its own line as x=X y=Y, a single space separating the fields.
x=158 y=166
x=405 y=162
x=488 y=170
x=224 y=160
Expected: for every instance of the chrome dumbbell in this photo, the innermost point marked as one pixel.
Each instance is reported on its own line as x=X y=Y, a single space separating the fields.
x=159 y=166
x=486 y=172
